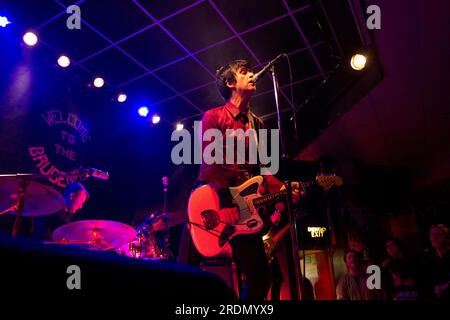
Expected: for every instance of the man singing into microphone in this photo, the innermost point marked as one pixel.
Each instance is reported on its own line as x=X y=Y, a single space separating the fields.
x=235 y=82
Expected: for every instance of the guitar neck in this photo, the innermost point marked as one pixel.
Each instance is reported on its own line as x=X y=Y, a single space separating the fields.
x=275 y=197
x=325 y=181
x=269 y=199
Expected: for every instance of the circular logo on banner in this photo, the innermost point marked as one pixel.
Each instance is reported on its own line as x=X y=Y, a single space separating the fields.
x=64 y=141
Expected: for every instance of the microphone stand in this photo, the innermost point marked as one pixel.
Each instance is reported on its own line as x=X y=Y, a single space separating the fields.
x=287 y=182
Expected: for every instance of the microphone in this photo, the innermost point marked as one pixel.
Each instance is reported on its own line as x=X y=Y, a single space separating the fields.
x=165 y=181
x=96 y=173
x=259 y=74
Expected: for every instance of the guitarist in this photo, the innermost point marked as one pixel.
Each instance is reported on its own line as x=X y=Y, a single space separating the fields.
x=234 y=82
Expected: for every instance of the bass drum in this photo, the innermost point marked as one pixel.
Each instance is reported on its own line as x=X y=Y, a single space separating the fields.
x=143 y=247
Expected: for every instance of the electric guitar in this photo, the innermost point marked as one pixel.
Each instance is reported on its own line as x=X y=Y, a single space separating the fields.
x=272 y=238
x=210 y=234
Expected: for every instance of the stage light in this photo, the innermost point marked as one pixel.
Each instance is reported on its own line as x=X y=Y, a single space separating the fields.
x=30 y=38
x=99 y=82
x=63 y=61
x=156 y=119
x=4 y=21
x=122 y=97
x=358 y=62
x=143 y=111
x=180 y=126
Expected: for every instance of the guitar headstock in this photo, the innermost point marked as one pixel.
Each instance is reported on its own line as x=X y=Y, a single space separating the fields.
x=327 y=181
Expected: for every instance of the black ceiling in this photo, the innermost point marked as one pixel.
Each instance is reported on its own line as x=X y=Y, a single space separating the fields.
x=165 y=53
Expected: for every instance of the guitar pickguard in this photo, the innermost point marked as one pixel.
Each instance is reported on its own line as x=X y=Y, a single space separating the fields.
x=251 y=189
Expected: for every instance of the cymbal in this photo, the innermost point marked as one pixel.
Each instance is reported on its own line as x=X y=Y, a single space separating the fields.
x=40 y=199
x=96 y=234
x=172 y=218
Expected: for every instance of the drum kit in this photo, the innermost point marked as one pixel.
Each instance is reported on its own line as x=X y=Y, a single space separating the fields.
x=28 y=198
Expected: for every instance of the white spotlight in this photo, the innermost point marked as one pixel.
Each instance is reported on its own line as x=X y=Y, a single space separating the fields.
x=156 y=119
x=180 y=126
x=30 y=38
x=99 y=82
x=63 y=61
x=122 y=97
x=4 y=21
x=143 y=111
x=358 y=62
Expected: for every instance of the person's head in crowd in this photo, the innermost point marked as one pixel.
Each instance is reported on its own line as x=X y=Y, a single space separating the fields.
x=75 y=195
x=395 y=248
x=352 y=261
x=439 y=238
x=356 y=241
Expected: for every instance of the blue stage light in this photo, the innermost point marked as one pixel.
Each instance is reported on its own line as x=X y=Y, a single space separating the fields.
x=143 y=111
x=4 y=21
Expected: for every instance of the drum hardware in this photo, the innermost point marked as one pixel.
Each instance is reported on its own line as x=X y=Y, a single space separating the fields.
x=98 y=235
x=166 y=249
x=22 y=196
x=145 y=245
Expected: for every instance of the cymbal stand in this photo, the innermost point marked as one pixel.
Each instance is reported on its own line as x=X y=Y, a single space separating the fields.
x=166 y=248
x=23 y=185
x=24 y=181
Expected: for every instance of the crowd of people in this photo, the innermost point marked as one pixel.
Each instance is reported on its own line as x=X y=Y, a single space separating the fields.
x=403 y=276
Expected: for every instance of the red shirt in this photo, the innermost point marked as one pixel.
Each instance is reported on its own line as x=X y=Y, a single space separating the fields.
x=224 y=175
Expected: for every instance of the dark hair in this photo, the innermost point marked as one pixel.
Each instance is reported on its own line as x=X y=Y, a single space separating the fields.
x=351 y=251
x=357 y=235
x=74 y=187
x=226 y=74
x=398 y=243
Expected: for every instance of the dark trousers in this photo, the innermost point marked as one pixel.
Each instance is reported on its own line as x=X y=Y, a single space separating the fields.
x=248 y=250
x=277 y=279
